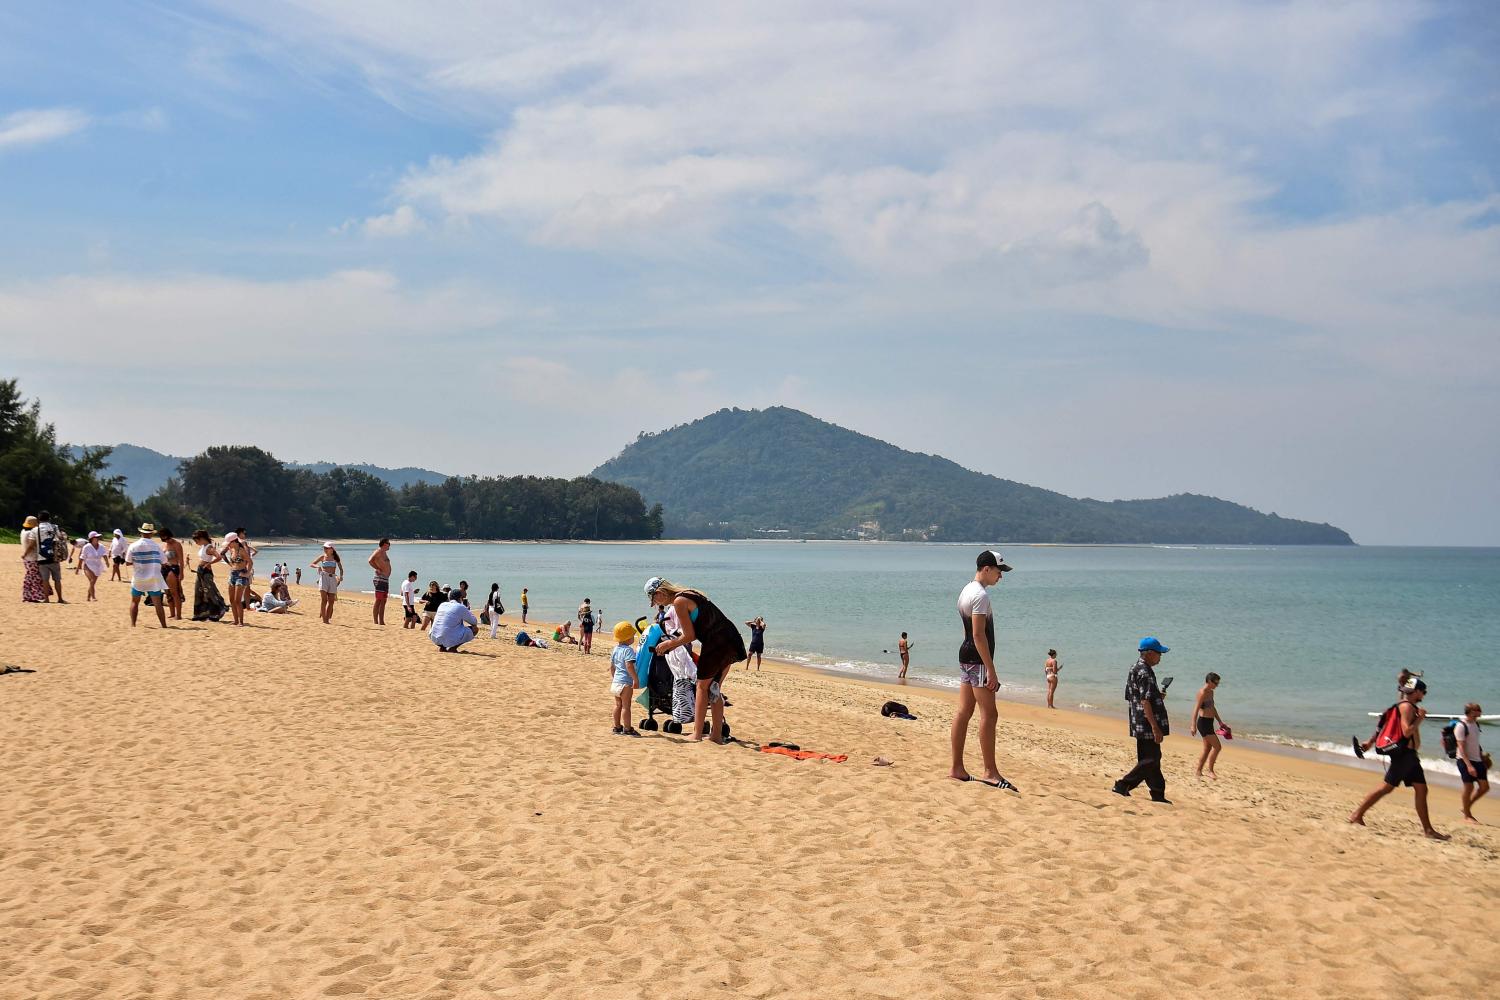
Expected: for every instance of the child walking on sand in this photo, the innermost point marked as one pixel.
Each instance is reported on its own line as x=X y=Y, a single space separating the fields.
x=622 y=684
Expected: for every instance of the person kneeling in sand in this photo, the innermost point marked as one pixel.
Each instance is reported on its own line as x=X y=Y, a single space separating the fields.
x=564 y=634
x=453 y=625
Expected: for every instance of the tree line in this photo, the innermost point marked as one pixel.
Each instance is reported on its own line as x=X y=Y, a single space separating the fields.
x=36 y=473
x=229 y=487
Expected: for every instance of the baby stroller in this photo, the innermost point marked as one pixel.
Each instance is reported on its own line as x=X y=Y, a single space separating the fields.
x=665 y=692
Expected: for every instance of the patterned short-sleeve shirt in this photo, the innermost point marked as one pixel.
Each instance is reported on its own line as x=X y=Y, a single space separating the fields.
x=1141 y=686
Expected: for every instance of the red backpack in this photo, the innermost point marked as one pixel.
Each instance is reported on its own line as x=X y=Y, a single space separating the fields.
x=1389 y=737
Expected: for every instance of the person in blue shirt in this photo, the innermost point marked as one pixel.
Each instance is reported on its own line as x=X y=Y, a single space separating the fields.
x=622 y=684
x=453 y=625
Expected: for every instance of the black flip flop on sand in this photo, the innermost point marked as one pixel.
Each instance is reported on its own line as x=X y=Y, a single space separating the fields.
x=1002 y=785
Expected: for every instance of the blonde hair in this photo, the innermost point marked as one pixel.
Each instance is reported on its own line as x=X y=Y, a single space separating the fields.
x=665 y=586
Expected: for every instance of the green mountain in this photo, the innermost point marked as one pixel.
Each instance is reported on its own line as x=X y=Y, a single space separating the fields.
x=779 y=473
x=146 y=471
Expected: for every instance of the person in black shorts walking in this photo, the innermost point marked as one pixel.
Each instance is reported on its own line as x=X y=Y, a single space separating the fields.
x=1473 y=762
x=1403 y=766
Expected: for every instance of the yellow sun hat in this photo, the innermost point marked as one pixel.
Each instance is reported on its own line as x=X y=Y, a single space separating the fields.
x=624 y=632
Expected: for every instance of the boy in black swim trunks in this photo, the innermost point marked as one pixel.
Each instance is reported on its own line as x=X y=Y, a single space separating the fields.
x=1404 y=767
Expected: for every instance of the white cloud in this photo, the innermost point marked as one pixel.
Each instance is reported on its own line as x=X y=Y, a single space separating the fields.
x=136 y=322
x=402 y=222
x=37 y=126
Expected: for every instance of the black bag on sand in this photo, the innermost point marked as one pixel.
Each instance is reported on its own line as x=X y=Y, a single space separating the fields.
x=896 y=710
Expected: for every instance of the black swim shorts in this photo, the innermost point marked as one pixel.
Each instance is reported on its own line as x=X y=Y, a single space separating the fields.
x=1405 y=768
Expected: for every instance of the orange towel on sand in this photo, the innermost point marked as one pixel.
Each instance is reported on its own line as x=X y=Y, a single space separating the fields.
x=838 y=758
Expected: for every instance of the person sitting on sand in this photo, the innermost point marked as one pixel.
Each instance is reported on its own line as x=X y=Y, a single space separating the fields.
x=564 y=634
x=721 y=647
x=1403 y=765
x=453 y=625
x=1473 y=762
x=280 y=594
x=1206 y=720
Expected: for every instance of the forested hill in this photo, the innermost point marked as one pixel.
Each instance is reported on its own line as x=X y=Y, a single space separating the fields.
x=780 y=472
x=145 y=470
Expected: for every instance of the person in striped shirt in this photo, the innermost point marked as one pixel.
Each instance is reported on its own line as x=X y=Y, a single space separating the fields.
x=144 y=557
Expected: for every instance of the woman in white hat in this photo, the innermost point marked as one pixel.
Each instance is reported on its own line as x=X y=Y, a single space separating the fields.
x=330 y=574
x=93 y=558
x=241 y=571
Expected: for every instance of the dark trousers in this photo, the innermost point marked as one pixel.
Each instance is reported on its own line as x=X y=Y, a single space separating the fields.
x=1147 y=767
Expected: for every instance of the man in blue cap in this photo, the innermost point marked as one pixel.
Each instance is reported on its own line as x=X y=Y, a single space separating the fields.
x=1148 y=722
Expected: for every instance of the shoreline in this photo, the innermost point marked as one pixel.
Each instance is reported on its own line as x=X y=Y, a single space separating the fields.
x=1102 y=722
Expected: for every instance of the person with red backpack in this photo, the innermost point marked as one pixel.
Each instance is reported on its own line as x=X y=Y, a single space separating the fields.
x=1398 y=738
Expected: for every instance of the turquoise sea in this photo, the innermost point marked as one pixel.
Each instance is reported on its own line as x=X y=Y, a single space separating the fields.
x=1307 y=639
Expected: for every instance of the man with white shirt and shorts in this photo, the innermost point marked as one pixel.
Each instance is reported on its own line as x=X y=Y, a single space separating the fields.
x=1473 y=766
x=978 y=680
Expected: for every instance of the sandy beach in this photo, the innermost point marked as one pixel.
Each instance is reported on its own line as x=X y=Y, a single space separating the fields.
x=298 y=810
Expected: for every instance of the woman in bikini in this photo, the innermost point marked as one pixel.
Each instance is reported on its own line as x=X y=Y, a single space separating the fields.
x=171 y=571
x=721 y=647
x=330 y=574
x=1206 y=721
x=241 y=571
x=1050 y=668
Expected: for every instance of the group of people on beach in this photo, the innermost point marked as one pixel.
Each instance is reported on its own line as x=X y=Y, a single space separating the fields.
x=157 y=563
x=1398 y=735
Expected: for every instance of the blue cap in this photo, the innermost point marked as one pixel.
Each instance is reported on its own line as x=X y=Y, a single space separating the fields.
x=1153 y=644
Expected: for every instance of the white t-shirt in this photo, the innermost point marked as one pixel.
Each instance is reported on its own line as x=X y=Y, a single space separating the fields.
x=409 y=593
x=117 y=547
x=1468 y=740
x=974 y=600
x=93 y=558
x=145 y=555
x=28 y=544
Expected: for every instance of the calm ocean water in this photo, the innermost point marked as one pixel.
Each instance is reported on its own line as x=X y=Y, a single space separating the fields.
x=1307 y=639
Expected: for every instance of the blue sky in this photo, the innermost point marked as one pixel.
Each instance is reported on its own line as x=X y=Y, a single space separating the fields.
x=1251 y=250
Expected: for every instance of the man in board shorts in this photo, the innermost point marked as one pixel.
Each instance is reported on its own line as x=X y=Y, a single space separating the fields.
x=1473 y=770
x=380 y=562
x=144 y=557
x=978 y=681
x=1404 y=766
